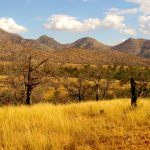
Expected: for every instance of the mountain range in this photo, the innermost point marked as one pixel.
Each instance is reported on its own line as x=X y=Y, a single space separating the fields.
x=85 y=50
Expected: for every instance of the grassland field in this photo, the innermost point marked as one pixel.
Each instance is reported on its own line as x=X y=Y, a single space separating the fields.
x=103 y=125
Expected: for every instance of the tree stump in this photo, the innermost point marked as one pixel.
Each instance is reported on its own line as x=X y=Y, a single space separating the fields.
x=133 y=93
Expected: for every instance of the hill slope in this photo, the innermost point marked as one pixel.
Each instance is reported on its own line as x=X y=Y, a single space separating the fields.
x=50 y=42
x=145 y=49
x=14 y=38
x=88 y=43
x=85 y=56
x=139 y=47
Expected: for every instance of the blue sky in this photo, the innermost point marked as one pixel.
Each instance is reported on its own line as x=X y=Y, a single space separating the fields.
x=109 y=21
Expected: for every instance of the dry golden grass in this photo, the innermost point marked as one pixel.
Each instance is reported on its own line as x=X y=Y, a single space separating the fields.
x=105 y=125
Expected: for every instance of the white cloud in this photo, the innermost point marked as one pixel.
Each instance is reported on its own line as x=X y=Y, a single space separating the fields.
x=69 y=23
x=129 y=31
x=122 y=11
x=116 y=22
x=72 y=24
x=9 y=24
x=144 y=22
x=144 y=5
x=113 y=21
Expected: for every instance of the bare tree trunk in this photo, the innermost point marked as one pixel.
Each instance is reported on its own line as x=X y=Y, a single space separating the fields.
x=104 y=94
x=28 y=98
x=133 y=93
x=79 y=91
x=29 y=89
x=97 y=92
x=105 y=90
x=79 y=95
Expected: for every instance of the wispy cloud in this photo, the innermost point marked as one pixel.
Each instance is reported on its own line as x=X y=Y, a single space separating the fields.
x=122 y=11
x=144 y=23
x=144 y=5
x=144 y=18
x=117 y=22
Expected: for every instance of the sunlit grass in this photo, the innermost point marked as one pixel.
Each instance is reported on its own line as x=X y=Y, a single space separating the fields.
x=84 y=126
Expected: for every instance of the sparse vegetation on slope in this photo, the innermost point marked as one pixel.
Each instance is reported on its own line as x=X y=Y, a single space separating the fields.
x=138 y=47
x=89 y=43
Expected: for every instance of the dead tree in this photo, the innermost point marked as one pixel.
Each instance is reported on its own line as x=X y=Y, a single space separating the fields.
x=107 y=81
x=94 y=75
x=133 y=93
x=33 y=77
x=142 y=85
x=26 y=73
x=97 y=91
x=78 y=88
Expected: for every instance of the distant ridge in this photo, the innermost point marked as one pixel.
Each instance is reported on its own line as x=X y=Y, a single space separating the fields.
x=84 y=50
x=138 y=47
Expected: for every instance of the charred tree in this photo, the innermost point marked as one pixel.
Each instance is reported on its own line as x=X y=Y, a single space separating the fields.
x=27 y=73
x=97 y=92
x=133 y=93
